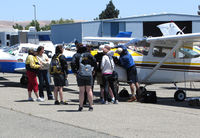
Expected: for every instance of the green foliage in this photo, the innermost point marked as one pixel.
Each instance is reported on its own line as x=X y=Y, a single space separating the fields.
x=17 y=26
x=33 y=24
x=109 y=12
x=44 y=28
x=61 y=21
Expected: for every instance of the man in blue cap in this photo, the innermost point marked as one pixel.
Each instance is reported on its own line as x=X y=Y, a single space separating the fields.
x=126 y=61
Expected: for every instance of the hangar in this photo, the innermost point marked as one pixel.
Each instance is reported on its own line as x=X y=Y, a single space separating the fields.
x=140 y=26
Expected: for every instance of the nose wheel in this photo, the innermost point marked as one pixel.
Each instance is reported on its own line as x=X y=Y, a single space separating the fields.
x=179 y=95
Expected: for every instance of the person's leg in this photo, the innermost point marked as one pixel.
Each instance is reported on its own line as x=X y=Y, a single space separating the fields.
x=114 y=90
x=81 y=95
x=46 y=78
x=61 y=93
x=133 y=98
x=106 y=87
x=90 y=95
x=41 y=83
x=56 y=88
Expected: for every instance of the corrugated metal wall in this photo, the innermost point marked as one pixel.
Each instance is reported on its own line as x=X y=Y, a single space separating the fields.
x=66 y=33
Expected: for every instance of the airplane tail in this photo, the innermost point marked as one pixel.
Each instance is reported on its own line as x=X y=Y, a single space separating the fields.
x=170 y=29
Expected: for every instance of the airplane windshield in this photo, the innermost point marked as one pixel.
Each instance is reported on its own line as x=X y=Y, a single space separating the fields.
x=188 y=53
x=12 y=50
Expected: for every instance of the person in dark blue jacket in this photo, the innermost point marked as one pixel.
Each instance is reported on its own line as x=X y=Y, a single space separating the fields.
x=127 y=61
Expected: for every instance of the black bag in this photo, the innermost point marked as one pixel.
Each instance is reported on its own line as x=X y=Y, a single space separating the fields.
x=148 y=97
x=124 y=93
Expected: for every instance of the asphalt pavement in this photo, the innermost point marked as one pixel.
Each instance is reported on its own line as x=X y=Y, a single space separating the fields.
x=167 y=118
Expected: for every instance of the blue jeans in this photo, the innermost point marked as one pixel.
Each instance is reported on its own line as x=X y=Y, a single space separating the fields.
x=43 y=76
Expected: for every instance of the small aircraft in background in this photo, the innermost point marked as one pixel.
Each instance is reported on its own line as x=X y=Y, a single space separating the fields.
x=13 y=58
x=170 y=58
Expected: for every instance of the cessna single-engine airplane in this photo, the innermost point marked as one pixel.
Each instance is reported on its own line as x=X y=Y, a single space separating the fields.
x=166 y=59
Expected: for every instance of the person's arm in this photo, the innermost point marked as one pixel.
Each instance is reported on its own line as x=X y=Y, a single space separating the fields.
x=33 y=64
x=74 y=65
x=64 y=64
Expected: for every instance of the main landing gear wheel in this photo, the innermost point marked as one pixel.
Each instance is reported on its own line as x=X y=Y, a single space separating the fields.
x=179 y=95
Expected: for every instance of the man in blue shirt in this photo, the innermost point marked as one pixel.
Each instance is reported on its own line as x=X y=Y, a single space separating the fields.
x=126 y=61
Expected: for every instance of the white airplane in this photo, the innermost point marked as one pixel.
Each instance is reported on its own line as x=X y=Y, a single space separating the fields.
x=166 y=59
x=12 y=59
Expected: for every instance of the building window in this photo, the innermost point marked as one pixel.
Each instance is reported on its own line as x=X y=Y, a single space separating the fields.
x=8 y=44
x=8 y=37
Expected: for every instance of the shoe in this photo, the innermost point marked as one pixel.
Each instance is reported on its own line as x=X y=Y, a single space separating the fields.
x=132 y=99
x=106 y=102
x=31 y=99
x=116 y=102
x=63 y=103
x=40 y=99
x=80 y=109
x=102 y=101
x=90 y=108
x=113 y=101
x=56 y=103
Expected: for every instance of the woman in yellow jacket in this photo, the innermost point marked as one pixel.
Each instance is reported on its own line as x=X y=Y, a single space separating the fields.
x=32 y=66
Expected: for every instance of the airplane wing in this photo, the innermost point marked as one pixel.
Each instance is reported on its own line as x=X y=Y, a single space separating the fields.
x=110 y=39
x=170 y=41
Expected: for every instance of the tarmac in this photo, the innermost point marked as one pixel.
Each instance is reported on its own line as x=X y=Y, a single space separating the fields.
x=166 y=118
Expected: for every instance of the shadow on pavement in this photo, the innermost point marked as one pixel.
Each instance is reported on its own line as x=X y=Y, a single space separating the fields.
x=21 y=101
x=67 y=110
x=172 y=102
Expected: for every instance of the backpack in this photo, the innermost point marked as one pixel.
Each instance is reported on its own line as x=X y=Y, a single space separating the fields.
x=124 y=93
x=84 y=70
x=55 y=66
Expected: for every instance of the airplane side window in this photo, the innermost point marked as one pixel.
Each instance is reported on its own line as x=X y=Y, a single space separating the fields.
x=160 y=52
x=188 y=53
x=24 y=50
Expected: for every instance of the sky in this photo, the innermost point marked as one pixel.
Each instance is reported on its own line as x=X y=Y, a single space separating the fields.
x=23 y=10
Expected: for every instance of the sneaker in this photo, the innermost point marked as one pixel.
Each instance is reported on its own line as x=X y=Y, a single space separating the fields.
x=106 y=102
x=116 y=102
x=63 y=103
x=102 y=101
x=56 y=103
x=132 y=99
x=31 y=99
x=80 y=109
x=113 y=101
x=90 y=108
x=40 y=99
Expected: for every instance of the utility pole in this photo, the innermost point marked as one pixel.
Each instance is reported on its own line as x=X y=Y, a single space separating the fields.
x=35 y=20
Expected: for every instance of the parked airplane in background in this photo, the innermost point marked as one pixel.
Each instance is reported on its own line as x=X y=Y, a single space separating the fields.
x=166 y=59
x=13 y=58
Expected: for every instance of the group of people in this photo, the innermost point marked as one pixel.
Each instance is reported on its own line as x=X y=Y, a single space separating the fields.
x=85 y=67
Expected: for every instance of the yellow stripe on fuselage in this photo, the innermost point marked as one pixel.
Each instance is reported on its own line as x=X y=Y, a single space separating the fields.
x=133 y=53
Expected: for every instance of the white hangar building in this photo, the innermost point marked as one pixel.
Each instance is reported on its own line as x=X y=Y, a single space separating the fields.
x=140 y=26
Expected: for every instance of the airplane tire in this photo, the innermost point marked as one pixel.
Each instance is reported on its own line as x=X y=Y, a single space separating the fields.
x=179 y=95
x=24 y=80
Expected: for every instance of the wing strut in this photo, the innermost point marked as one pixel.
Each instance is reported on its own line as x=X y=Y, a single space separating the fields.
x=179 y=43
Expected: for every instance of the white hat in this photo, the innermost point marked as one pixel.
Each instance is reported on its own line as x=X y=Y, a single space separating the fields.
x=119 y=50
x=101 y=48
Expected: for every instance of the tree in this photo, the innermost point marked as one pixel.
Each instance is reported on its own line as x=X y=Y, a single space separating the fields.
x=109 y=12
x=33 y=24
x=17 y=26
x=61 y=21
